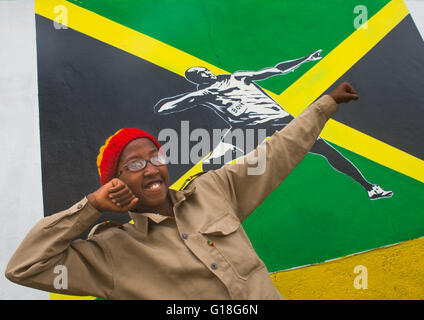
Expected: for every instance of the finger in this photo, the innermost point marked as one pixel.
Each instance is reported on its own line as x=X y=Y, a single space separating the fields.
x=354 y=96
x=122 y=194
x=123 y=198
x=126 y=202
x=350 y=89
x=116 y=186
x=343 y=86
x=115 y=182
x=118 y=192
x=132 y=204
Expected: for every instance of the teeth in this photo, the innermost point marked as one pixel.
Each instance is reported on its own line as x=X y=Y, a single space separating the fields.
x=155 y=185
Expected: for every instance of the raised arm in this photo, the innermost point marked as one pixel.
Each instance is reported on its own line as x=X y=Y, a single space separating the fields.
x=240 y=182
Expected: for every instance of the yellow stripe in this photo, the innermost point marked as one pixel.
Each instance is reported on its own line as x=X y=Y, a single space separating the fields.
x=369 y=147
x=394 y=272
x=294 y=99
x=374 y=149
x=57 y=296
x=122 y=37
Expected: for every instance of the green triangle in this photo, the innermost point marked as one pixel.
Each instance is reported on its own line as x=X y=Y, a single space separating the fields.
x=318 y=213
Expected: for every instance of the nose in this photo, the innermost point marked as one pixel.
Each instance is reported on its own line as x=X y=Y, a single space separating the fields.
x=150 y=169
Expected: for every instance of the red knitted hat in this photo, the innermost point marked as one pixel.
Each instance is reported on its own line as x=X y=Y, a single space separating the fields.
x=108 y=157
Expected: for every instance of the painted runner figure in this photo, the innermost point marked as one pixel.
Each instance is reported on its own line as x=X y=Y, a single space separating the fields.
x=243 y=104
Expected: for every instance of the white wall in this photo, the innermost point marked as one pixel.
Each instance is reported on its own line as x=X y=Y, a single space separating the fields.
x=20 y=183
x=416 y=8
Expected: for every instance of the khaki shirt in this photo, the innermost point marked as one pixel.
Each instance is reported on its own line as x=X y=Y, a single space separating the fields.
x=201 y=253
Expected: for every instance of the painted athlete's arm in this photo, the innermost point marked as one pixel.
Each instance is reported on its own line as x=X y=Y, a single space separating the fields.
x=181 y=102
x=257 y=75
x=292 y=65
x=280 y=69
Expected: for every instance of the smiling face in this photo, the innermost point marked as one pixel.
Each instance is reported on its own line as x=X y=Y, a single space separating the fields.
x=150 y=184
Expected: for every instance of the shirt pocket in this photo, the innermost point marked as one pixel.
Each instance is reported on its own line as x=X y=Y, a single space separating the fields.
x=228 y=237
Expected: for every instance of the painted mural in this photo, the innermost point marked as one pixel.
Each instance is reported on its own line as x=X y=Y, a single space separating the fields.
x=193 y=65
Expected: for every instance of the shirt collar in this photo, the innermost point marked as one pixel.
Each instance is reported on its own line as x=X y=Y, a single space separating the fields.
x=141 y=220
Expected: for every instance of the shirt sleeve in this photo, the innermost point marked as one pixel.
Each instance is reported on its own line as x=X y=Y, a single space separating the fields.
x=247 y=182
x=49 y=259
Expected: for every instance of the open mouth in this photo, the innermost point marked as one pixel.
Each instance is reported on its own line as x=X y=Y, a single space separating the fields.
x=153 y=185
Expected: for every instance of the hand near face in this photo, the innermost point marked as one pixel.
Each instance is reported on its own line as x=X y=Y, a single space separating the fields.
x=344 y=92
x=114 y=196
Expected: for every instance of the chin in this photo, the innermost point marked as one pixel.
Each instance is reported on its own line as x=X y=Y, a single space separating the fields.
x=153 y=201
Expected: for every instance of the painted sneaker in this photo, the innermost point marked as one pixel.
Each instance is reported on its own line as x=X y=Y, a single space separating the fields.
x=378 y=193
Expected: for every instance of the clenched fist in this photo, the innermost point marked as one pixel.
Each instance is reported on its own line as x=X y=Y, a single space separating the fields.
x=114 y=196
x=344 y=93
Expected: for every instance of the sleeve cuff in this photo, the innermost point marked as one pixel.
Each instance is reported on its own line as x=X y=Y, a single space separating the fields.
x=88 y=214
x=327 y=105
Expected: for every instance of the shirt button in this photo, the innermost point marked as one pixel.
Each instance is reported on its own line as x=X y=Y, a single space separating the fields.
x=185 y=236
x=214 y=266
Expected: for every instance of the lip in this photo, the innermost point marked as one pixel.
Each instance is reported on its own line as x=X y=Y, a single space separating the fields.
x=161 y=184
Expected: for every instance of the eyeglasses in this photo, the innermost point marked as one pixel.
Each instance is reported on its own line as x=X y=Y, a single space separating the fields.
x=140 y=164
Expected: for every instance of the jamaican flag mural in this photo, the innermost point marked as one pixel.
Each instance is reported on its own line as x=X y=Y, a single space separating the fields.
x=348 y=221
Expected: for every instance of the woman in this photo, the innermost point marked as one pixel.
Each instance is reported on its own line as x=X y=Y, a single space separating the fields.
x=185 y=244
